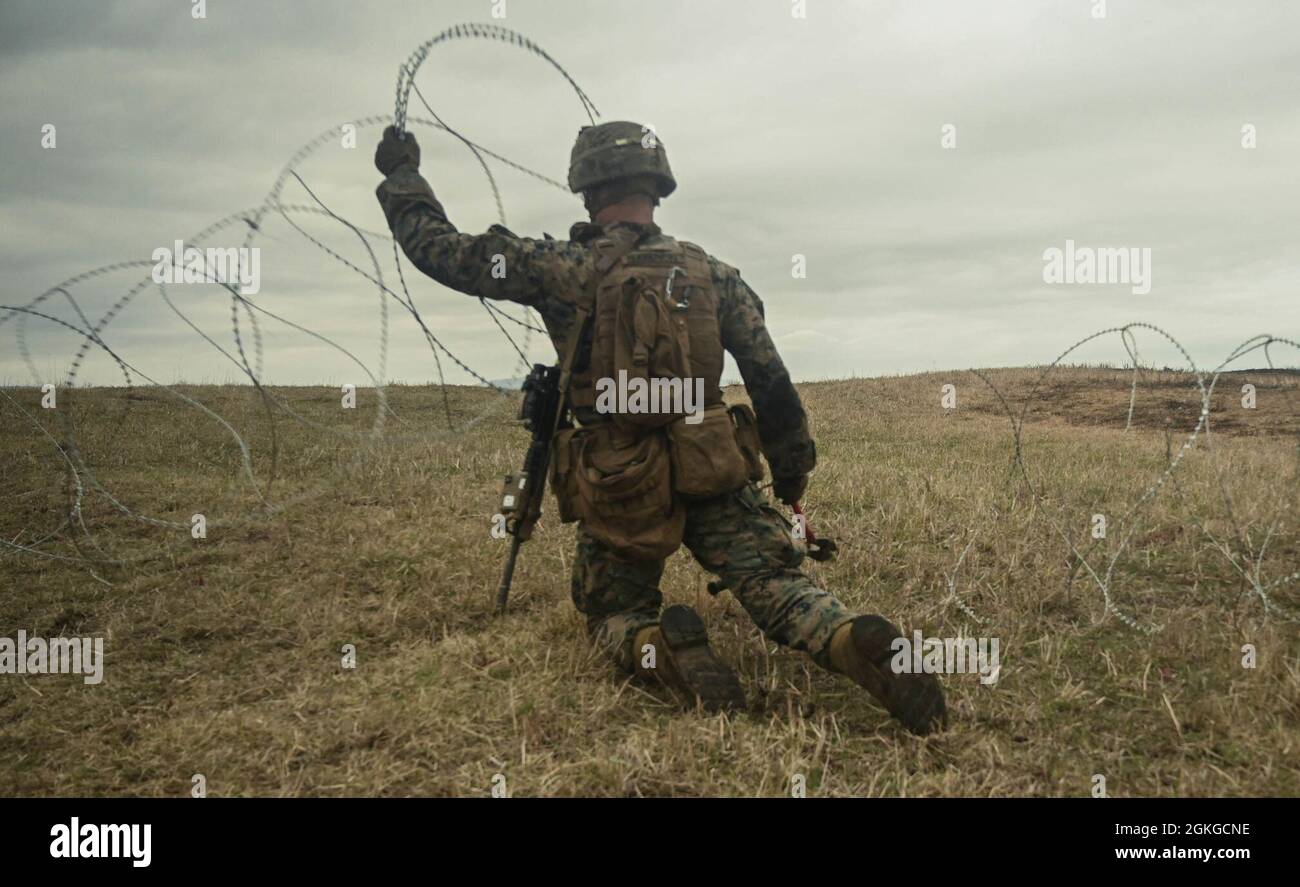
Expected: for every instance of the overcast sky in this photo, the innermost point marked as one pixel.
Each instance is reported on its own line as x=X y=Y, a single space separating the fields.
x=817 y=136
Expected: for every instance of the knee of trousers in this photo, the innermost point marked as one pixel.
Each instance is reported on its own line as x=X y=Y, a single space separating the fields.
x=604 y=584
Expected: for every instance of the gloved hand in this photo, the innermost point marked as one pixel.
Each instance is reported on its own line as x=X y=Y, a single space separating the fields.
x=394 y=152
x=790 y=489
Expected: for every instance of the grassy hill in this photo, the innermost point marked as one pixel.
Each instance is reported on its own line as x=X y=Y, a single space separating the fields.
x=223 y=654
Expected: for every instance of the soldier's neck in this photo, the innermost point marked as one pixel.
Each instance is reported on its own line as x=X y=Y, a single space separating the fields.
x=634 y=208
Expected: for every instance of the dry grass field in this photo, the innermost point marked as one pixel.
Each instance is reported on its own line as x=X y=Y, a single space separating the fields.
x=223 y=655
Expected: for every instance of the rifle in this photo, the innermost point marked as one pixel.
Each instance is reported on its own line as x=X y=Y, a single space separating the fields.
x=521 y=495
x=545 y=411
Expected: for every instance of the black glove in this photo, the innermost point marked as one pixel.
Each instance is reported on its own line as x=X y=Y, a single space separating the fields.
x=395 y=152
x=789 y=489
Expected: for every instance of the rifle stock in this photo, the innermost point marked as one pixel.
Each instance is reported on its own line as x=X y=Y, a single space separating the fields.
x=521 y=497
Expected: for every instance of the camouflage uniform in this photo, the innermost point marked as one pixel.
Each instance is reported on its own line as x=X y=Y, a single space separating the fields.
x=740 y=536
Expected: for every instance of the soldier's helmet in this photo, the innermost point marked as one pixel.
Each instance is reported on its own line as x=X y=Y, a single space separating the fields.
x=616 y=150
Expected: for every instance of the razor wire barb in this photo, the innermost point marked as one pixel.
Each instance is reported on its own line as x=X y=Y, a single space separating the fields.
x=245 y=312
x=1245 y=557
x=1104 y=579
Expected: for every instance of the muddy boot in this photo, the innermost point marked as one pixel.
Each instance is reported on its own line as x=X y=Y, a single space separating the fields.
x=685 y=664
x=862 y=650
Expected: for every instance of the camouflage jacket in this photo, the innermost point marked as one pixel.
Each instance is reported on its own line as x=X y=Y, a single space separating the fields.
x=545 y=274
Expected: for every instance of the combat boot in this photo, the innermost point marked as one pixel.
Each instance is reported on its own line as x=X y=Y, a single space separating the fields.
x=685 y=664
x=862 y=650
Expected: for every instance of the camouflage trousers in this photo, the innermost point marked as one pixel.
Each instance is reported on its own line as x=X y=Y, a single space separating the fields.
x=742 y=539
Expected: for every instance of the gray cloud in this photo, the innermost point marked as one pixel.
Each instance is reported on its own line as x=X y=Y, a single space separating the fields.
x=817 y=137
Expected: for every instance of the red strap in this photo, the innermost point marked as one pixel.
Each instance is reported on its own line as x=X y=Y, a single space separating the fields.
x=809 y=535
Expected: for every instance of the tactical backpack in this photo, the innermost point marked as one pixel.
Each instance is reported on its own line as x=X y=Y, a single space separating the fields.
x=654 y=317
x=654 y=332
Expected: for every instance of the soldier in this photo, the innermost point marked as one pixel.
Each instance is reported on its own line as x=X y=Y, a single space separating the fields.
x=641 y=485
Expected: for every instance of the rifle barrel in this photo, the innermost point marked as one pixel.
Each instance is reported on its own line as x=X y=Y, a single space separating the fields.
x=503 y=592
